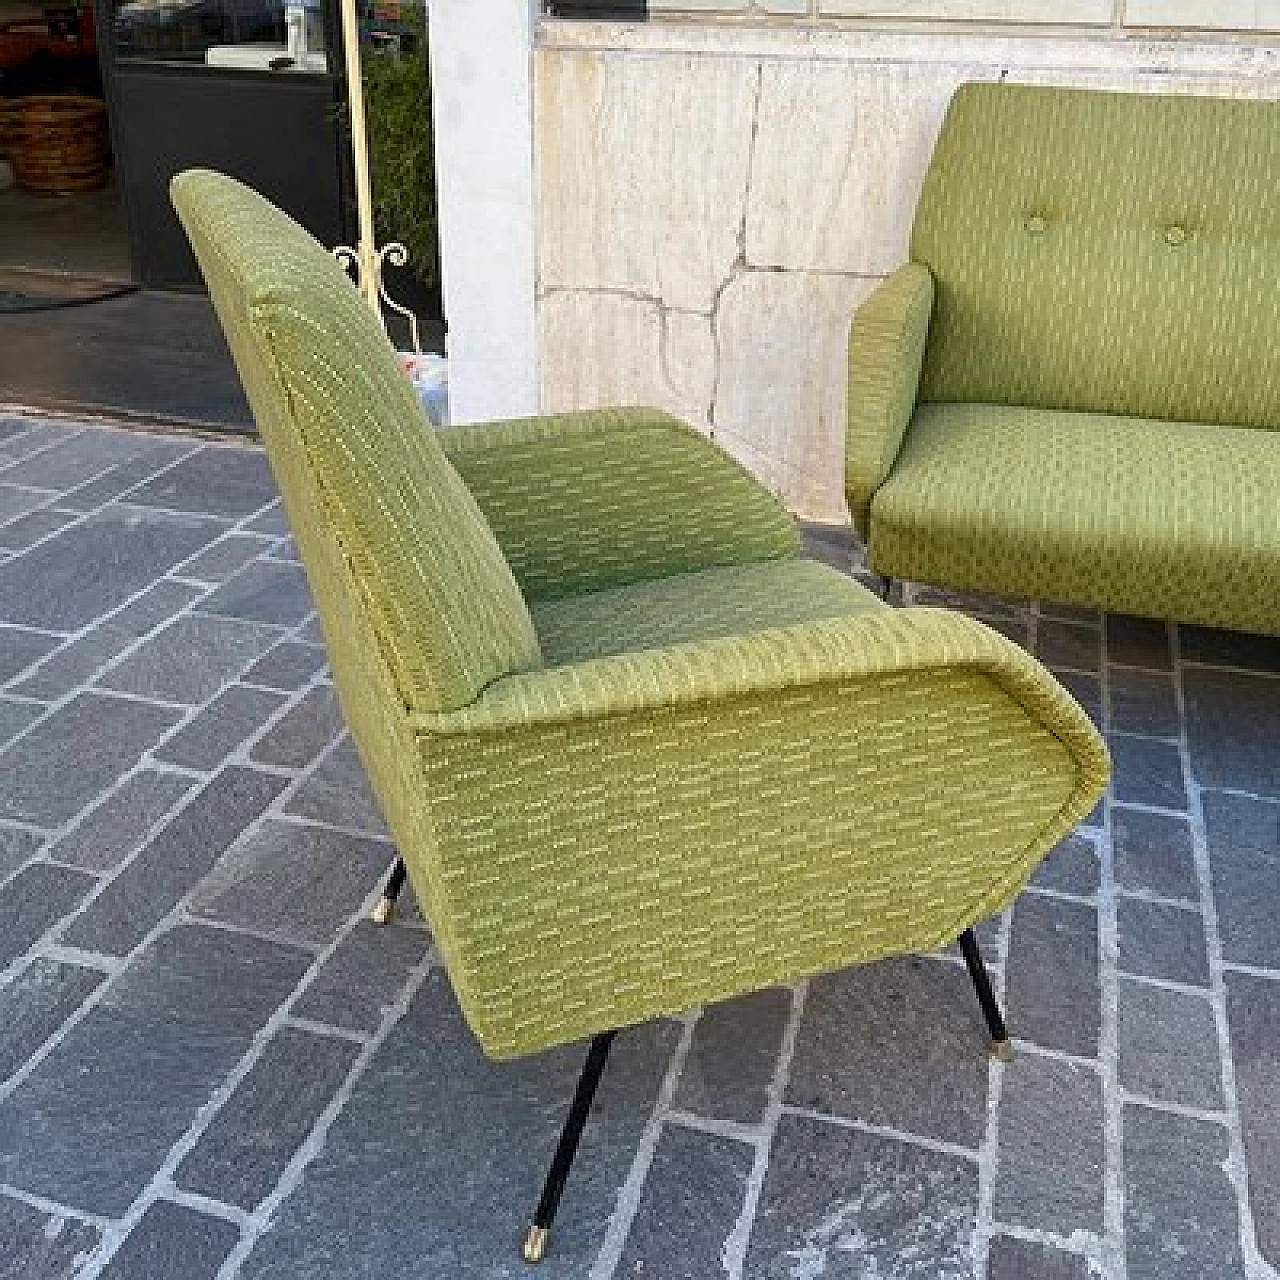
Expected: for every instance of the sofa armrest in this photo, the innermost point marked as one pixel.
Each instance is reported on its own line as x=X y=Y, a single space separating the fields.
x=584 y=501
x=886 y=351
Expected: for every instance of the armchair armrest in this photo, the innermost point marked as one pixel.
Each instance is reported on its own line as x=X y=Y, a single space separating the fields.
x=886 y=351
x=632 y=835
x=584 y=501
x=889 y=647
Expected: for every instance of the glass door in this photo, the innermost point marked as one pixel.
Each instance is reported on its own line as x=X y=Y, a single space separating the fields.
x=248 y=87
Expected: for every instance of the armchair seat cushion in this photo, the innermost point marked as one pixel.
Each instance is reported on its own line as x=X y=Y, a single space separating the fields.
x=694 y=606
x=1169 y=519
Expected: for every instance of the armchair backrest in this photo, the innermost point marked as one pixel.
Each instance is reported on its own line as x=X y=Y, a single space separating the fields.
x=1105 y=252
x=354 y=456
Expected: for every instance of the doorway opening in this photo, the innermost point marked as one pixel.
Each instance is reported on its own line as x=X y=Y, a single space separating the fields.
x=63 y=234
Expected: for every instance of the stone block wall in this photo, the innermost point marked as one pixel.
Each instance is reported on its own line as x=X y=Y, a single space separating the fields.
x=714 y=199
x=1208 y=15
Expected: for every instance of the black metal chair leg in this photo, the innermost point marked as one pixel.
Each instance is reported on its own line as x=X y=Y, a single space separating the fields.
x=386 y=906
x=1000 y=1046
x=535 y=1242
x=886 y=589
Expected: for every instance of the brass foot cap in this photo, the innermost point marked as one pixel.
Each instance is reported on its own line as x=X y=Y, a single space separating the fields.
x=1002 y=1050
x=383 y=912
x=535 y=1244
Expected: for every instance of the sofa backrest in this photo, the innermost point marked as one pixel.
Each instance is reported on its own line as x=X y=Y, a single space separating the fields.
x=354 y=456
x=1105 y=252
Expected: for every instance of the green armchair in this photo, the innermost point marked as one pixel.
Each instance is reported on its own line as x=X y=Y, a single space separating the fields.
x=1072 y=390
x=635 y=752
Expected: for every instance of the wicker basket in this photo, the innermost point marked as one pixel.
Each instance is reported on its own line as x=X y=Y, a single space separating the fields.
x=62 y=145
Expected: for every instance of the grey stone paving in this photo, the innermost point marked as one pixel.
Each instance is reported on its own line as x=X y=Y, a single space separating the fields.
x=212 y=1066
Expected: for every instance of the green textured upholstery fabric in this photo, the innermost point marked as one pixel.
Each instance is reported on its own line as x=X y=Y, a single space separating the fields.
x=1105 y=252
x=694 y=606
x=1094 y=417
x=886 y=351
x=1121 y=513
x=583 y=501
x=727 y=768
x=448 y=610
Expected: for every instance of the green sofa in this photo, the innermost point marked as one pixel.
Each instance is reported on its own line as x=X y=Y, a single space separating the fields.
x=1072 y=391
x=636 y=753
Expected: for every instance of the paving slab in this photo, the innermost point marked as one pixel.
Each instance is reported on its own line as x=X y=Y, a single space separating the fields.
x=733 y=1057
x=80 y=458
x=1162 y=941
x=1013 y=1259
x=225 y=557
x=1153 y=853
x=35 y=526
x=17 y=500
x=1072 y=867
x=1233 y=730
x=235 y=715
x=302 y=733
x=119 y=479
x=1253 y=1013
x=15 y=717
x=289 y=666
x=243 y=1152
x=360 y=980
x=1229 y=648
x=191 y=659
x=843 y=1203
x=104 y=736
x=264 y=591
x=1051 y=980
x=37 y=1246
x=1144 y=702
x=1138 y=642
x=92 y=1123
x=691 y=1201
x=337 y=792
x=173 y=1242
x=1146 y=771
x=1181 y=1219
x=35 y=1004
x=119 y=826
x=1244 y=850
x=216 y=481
x=96 y=566
x=34 y=900
x=899 y=1043
x=173 y=861
x=1051 y=1146
x=1068 y=645
x=1169 y=1048
x=78 y=663
x=292 y=880
x=1086 y=689
x=20 y=648
x=17 y=845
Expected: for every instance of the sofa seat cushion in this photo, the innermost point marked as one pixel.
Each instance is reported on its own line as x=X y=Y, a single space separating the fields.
x=1165 y=519
x=694 y=606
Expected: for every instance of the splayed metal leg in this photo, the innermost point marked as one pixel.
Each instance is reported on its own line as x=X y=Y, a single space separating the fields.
x=386 y=906
x=535 y=1242
x=1000 y=1046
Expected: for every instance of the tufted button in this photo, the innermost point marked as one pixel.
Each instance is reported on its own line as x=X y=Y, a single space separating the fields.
x=1037 y=224
x=1175 y=235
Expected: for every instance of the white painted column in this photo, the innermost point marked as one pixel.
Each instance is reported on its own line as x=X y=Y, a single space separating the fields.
x=482 y=89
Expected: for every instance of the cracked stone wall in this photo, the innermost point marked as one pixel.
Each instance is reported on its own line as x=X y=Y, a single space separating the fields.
x=714 y=201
